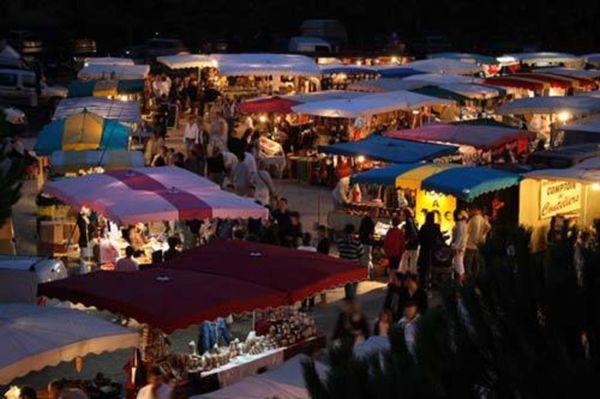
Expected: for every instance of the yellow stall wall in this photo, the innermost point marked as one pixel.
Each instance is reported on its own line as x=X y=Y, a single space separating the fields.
x=442 y=205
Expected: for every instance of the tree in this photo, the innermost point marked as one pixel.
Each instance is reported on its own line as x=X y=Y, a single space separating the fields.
x=11 y=175
x=524 y=329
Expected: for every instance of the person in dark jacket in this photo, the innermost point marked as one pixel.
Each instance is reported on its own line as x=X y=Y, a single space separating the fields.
x=366 y=233
x=323 y=244
x=394 y=296
x=352 y=325
x=430 y=235
x=408 y=261
x=412 y=292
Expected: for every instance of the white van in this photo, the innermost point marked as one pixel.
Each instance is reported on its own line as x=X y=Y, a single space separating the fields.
x=46 y=269
x=18 y=86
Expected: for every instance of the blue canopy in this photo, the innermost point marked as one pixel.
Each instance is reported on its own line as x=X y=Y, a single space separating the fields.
x=384 y=176
x=381 y=148
x=398 y=72
x=469 y=182
x=463 y=182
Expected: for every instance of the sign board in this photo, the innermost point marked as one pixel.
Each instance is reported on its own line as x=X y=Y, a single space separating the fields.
x=559 y=197
x=441 y=205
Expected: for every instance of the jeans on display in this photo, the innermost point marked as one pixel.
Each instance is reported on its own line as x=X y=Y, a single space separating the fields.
x=212 y=333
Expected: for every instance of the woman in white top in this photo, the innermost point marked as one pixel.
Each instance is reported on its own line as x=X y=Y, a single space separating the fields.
x=191 y=133
x=459 y=242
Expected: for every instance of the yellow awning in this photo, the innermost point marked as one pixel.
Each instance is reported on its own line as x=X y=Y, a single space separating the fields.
x=83 y=131
x=413 y=178
x=106 y=88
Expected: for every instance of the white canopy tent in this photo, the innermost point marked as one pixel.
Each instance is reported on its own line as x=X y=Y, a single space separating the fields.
x=592 y=59
x=472 y=90
x=436 y=78
x=9 y=52
x=385 y=85
x=370 y=104
x=34 y=337
x=123 y=111
x=113 y=72
x=577 y=106
x=572 y=72
x=265 y=64
x=325 y=95
x=548 y=59
x=444 y=66
x=590 y=124
x=283 y=382
x=108 y=61
x=187 y=61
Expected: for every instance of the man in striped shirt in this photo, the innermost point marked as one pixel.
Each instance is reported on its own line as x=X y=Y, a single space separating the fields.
x=350 y=248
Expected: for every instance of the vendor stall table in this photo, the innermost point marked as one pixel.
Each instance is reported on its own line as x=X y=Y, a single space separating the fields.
x=199 y=383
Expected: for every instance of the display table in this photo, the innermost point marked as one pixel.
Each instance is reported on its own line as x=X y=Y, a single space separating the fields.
x=244 y=366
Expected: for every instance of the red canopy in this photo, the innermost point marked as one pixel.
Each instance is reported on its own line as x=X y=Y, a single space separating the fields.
x=164 y=298
x=276 y=105
x=299 y=274
x=585 y=83
x=554 y=81
x=482 y=137
x=204 y=283
x=519 y=83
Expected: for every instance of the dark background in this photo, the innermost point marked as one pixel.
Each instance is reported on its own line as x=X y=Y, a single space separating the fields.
x=489 y=26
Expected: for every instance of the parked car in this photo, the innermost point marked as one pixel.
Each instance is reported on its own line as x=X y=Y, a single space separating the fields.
x=46 y=269
x=16 y=119
x=20 y=86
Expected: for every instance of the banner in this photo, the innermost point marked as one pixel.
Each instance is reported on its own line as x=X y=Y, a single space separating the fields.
x=559 y=197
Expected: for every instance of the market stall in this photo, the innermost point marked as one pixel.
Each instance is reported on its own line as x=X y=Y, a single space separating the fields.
x=113 y=72
x=551 y=200
x=283 y=382
x=438 y=188
x=444 y=66
x=490 y=65
x=207 y=282
x=108 y=61
x=147 y=196
x=339 y=76
x=518 y=87
x=187 y=61
x=571 y=72
x=82 y=131
x=478 y=144
x=545 y=115
x=584 y=130
x=72 y=162
x=122 y=89
x=252 y=74
x=543 y=59
x=34 y=337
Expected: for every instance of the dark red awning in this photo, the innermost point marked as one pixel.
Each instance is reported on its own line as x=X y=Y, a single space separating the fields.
x=519 y=83
x=276 y=105
x=164 y=298
x=299 y=274
x=558 y=82
x=207 y=282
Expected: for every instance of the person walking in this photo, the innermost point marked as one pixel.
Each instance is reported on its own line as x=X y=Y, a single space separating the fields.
x=477 y=229
x=366 y=233
x=459 y=243
x=191 y=133
x=350 y=248
x=429 y=236
x=409 y=260
x=394 y=245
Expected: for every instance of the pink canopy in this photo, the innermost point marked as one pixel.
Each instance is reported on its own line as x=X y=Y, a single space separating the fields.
x=152 y=194
x=478 y=136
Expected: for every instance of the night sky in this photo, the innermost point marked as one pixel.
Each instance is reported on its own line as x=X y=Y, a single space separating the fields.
x=484 y=26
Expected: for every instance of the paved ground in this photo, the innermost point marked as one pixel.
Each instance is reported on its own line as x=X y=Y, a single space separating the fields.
x=313 y=204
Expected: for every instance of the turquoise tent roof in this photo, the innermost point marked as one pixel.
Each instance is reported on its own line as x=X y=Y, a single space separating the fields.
x=85 y=88
x=115 y=136
x=469 y=182
x=380 y=148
